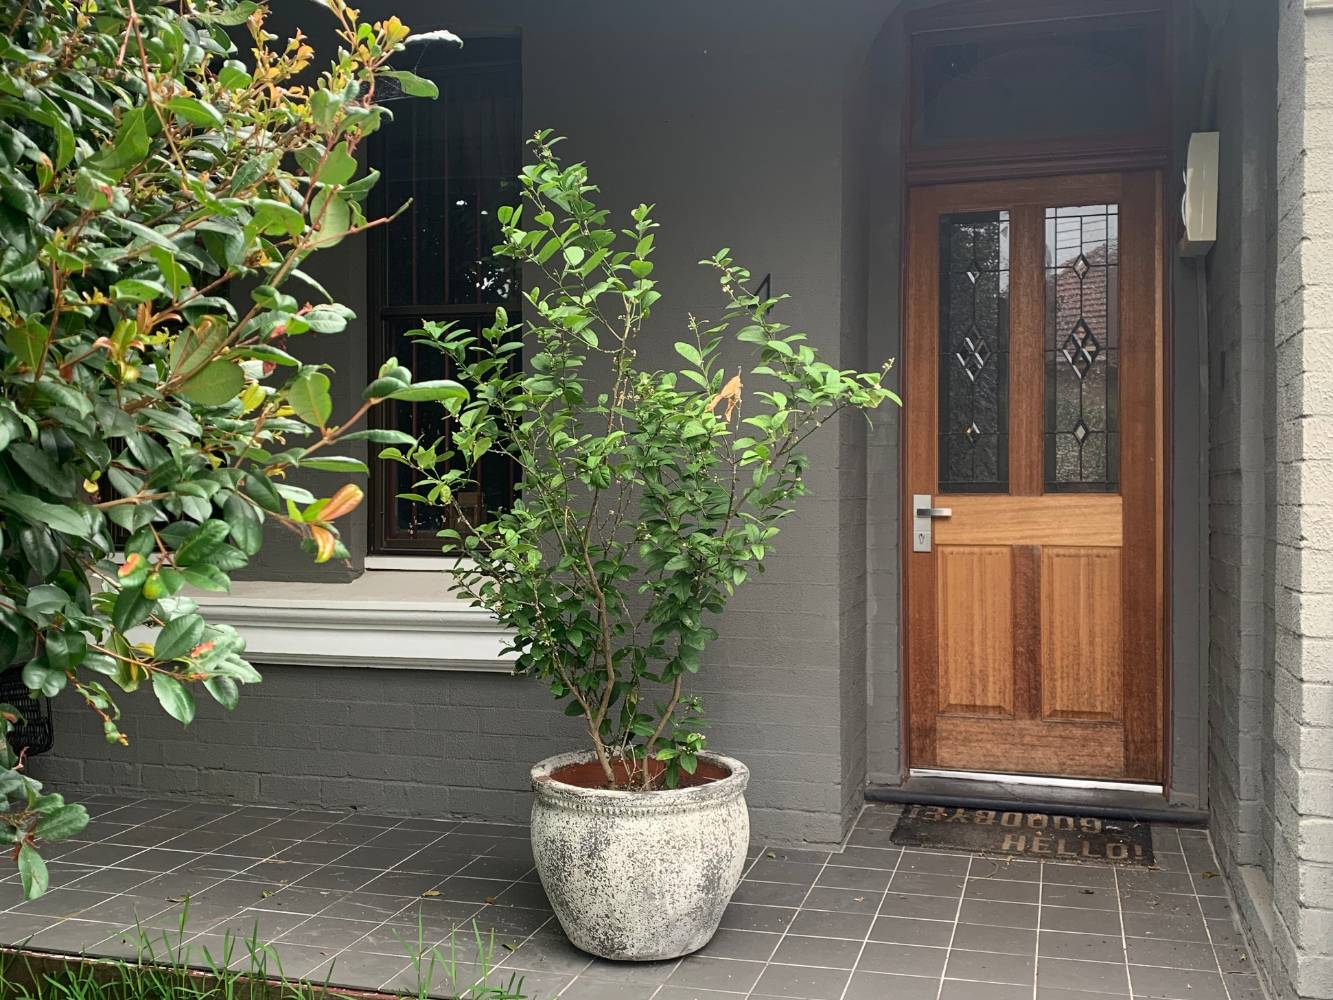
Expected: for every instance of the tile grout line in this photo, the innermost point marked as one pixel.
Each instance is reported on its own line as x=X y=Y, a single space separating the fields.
x=948 y=954
x=153 y=875
x=874 y=917
x=1208 y=931
x=768 y=962
x=1124 y=941
x=1036 y=945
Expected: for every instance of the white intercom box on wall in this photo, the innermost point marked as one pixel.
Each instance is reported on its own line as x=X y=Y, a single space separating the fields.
x=1198 y=205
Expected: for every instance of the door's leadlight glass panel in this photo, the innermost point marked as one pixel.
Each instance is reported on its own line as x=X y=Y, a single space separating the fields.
x=1082 y=340
x=974 y=352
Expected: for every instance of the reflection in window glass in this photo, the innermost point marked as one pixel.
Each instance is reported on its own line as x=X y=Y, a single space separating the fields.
x=1082 y=339
x=974 y=352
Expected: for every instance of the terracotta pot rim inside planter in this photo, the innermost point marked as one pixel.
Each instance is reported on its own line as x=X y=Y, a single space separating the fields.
x=729 y=786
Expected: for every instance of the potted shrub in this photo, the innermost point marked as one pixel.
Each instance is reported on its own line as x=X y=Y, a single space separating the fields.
x=646 y=497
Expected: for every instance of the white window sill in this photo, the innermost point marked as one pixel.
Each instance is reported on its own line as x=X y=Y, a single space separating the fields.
x=384 y=618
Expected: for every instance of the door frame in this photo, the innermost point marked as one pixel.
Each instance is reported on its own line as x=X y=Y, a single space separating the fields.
x=1093 y=165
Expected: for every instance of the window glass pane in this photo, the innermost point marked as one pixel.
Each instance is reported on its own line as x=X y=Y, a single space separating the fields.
x=1082 y=340
x=453 y=162
x=1016 y=85
x=974 y=352
x=455 y=158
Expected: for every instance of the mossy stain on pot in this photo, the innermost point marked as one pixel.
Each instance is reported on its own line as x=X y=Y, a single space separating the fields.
x=639 y=876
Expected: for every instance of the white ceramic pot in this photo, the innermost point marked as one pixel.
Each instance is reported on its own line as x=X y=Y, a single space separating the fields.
x=639 y=876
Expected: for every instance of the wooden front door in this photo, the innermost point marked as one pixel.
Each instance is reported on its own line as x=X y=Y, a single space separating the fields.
x=1034 y=415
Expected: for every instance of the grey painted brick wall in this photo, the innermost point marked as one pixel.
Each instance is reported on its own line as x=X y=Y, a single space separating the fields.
x=1285 y=881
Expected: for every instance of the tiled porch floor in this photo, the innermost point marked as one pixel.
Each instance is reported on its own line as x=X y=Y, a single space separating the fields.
x=342 y=892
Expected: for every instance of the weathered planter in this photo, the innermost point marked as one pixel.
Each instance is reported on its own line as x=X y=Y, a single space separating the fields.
x=639 y=876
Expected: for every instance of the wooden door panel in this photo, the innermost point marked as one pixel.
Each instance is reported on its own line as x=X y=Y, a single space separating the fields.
x=1087 y=519
x=1029 y=746
x=976 y=659
x=1081 y=625
x=1034 y=410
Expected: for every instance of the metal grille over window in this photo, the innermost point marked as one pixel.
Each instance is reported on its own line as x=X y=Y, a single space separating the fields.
x=974 y=352
x=455 y=161
x=1082 y=349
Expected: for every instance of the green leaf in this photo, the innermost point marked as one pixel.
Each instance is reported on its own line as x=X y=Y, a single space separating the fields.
x=207 y=578
x=228 y=17
x=138 y=290
x=380 y=435
x=247 y=530
x=233 y=75
x=434 y=391
x=32 y=869
x=26 y=342
x=220 y=381
x=63 y=519
x=62 y=823
x=175 y=698
x=196 y=112
x=178 y=637
x=224 y=691
x=339 y=166
x=689 y=352
x=334 y=463
x=413 y=85
x=275 y=218
x=309 y=397
x=331 y=214
x=128 y=149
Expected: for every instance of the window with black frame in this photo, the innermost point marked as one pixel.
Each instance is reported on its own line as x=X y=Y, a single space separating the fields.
x=453 y=161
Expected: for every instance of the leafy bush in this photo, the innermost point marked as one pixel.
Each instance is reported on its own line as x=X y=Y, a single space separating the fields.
x=147 y=424
x=647 y=497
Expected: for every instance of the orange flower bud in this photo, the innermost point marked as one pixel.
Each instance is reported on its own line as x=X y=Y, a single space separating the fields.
x=325 y=540
x=130 y=564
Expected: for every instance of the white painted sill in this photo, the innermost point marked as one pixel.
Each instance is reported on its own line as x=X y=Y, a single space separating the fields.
x=384 y=618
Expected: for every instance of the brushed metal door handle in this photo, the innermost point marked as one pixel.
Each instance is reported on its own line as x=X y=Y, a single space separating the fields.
x=923 y=516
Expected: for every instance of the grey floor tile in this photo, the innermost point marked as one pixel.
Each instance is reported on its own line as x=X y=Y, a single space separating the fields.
x=793 y=872
x=1006 y=869
x=744 y=917
x=112 y=880
x=832 y=924
x=933 y=864
x=548 y=953
x=1160 y=902
x=335 y=876
x=716 y=974
x=755 y=946
x=16 y=927
x=665 y=993
x=987 y=911
x=771 y=893
x=76 y=936
x=1155 y=881
x=1055 y=993
x=991 y=967
x=863 y=879
x=645 y=974
x=883 y=986
x=1104 y=977
x=1006 y=940
x=298 y=899
x=61 y=903
x=912 y=930
x=1089 y=876
x=1174 y=984
x=1080 y=897
x=1171 y=954
x=1082 y=947
x=365 y=906
x=898 y=904
x=798 y=981
x=867 y=857
x=926 y=884
x=844 y=900
x=1069 y=918
x=1165 y=926
x=1003 y=890
x=953 y=989
x=902 y=959
x=327 y=932
x=361 y=970
x=411 y=884
x=871 y=838
x=826 y=953
x=1244 y=987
